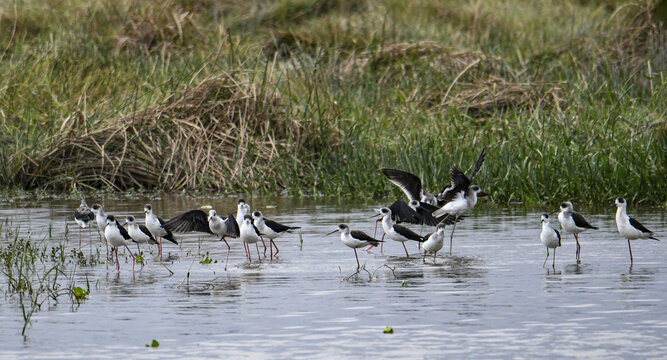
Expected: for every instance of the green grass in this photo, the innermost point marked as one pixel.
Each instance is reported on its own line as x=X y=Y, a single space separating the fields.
x=572 y=106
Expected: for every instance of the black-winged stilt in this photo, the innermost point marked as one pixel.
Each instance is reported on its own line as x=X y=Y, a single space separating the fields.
x=156 y=226
x=271 y=229
x=355 y=239
x=197 y=221
x=630 y=228
x=139 y=233
x=101 y=220
x=250 y=235
x=459 y=197
x=411 y=185
x=573 y=223
x=396 y=232
x=549 y=237
x=84 y=217
x=116 y=236
x=434 y=242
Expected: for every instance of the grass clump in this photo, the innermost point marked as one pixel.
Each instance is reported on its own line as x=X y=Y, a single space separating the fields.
x=309 y=97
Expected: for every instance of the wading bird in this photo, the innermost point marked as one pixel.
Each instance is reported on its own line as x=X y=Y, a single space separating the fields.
x=573 y=223
x=355 y=239
x=630 y=228
x=459 y=197
x=250 y=235
x=116 y=236
x=549 y=237
x=396 y=232
x=197 y=221
x=139 y=233
x=84 y=217
x=156 y=226
x=434 y=242
x=271 y=230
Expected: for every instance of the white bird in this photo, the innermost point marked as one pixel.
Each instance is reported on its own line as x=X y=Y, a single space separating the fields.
x=271 y=229
x=84 y=217
x=242 y=209
x=573 y=223
x=101 y=220
x=156 y=226
x=355 y=239
x=630 y=228
x=396 y=232
x=434 y=241
x=250 y=235
x=139 y=233
x=116 y=236
x=549 y=237
x=196 y=220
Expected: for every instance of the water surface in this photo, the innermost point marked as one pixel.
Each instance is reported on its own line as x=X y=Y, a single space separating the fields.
x=491 y=299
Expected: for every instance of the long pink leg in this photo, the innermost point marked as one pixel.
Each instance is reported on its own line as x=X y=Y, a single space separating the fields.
x=406 y=249
x=276 y=246
x=159 y=248
x=260 y=259
x=247 y=251
x=451 y=238
x=90 y=235
x=356 y=256
x=117 y=263
x=270 y=248
x=263 y=243
x=228 y=250
x=134 y=259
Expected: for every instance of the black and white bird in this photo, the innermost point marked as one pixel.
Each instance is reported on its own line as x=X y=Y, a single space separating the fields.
x=355 y=239
x=396 y=232
x=101 y=220
x=117 y=236
x=459 y=197
x=630 y=228
x=198 y=221
x=573 y=223
x=250 y=235
x=85 y=218
x=139 y=233
x=549 y=237
x=434 y=242
x=242 y=209
x=271 y=229
x=415 y=212
x=411 y=185
x=156 y=226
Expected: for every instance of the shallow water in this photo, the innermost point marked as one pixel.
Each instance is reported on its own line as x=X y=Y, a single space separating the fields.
x=492 y=299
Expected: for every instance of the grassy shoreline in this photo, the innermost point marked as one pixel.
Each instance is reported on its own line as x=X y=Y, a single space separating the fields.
x=313 y=97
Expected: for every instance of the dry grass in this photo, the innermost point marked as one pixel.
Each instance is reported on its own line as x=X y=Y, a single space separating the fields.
x=394 y=59
x=215 y=134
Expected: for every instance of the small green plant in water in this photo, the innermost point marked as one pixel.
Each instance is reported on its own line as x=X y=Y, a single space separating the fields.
x=388 y=330
x=205 y=259
x=153 y=344
x=79 y=293
x=139 y=258
x=404 y=284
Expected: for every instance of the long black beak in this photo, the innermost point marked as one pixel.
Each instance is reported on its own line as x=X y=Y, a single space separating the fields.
x=332 y=232
x=555 y=211
x=482 y=193
x=376 y=215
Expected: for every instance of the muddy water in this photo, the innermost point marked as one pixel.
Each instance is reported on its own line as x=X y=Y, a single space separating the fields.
x=491 y=299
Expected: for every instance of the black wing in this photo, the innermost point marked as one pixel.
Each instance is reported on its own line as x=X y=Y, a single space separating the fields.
x=191 y=221
x=579 y=221
x=557 y=234
x=278 y=227
x=232 y=227
x=478 y=165
x=123 y=231
x=426 y=210
x=409 y=183
x=637 y=225
x=460 y=182
x=84 y=214
x=256 y=230
x=407 y=233
x=147 y=232
x=402 y=212
x=360 y=235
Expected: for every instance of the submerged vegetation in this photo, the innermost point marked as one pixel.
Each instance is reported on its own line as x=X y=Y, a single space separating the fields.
x=311 y=97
